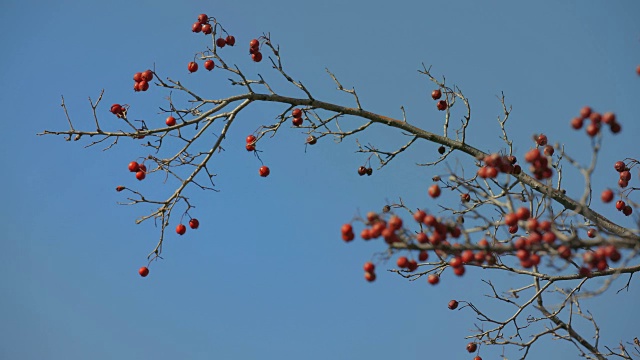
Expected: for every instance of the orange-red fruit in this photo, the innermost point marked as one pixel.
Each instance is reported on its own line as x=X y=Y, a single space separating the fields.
x=477 y=358
x=620 y=205
x=207 y=29
x=419 y=215
x=395 y=223
x=591 y=233
x=370 y=276
x=296 y=121
x=609 y=118
x=592 y=129
x=264 y=171
x=585 y=112
x=423 y=256
x=230 y=40
x=452 y=305
x=511 y=219
x=346 y=228
x=181 y=229
x=256 y=56
x=402 y=262
x=254 y=43
x=348 y=237
x=144 y=271
x=137 y=77
x=541 y=140
x=441 y=105
x=296 y=113
x=140 y=175
x=209 y=65
x=433 y=279
x=203 y=18
x=134 y=166
x=250 y=139
x=523 y=213
x=192 y=67
x=170 y=121
x=577 y=123
x=194 y=223
x=196 y=27
x=472 y=347
x=434 y=191
x=147 y=75
x=369 y=267
x=119 y=188
x=436 y=94
x=221 y=42
x=141 y=167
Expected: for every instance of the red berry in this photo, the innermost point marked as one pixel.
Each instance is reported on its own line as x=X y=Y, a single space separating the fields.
x=441 y=105
x=606 y=196
x=422 y=238
x=193 y=67
x=402 y=262
x=134 y=166
x=545 y=225
x=638 y=70
x=203 y=18
x=147 y=75
x=465 y=198
x=585 y=112
x=250 y=139
x=221 y=42
x=194 y=223
x=436 y=94
x=257 y=56
x=362 y=170
x=296 y=113
x=467 y=256
x=170 y=121
x=619 y=166
x=472 y=347
x=365 y=234
x=609 y=118
x=207 y=29
x=593 y=129
x=419 y=215
x=548 y=150
x=477 y=358
x=625 y=175
x=254 y=44
x=116 y=109
x=137 y=77
x=370 y=276
x=144 y=271
x=209 y=65
x=595 y=118
x=264 y=171
x=181 y=229
x=142 y=168
x=511 y=219
x=136 y=87
x=541 y=140
x=230 y=40
x=615 y=128
x=196 y=27
x=423 y=256
x=348 y=237
x=412 y=266
x=523 y=213
x=143 y=86
x=119 y=188
x=250 y=147
x=433 y=279
x=369 y=267
x=627 y=210
x=455 y=262
x=434 y=191
x=452 y=305
x=564 y=251
x=346 y=228
x=620 y=205
x=395 y=223
x=577 y=123
x=591 y=233
x=140 y=175
x=296 y=121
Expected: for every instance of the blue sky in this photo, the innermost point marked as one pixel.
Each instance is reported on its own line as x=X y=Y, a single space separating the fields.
x=266 y=275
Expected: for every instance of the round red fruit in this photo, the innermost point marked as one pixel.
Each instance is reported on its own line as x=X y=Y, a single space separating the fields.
x=609 y=118
x=170 y=121
x=144 y=271
x=434 y=191
x=442 y=105
x=250 y=139
x=541 y=140
x=230 y=40
x=134 y=166
x=369 y=267
x=209 y=65
x=220 y=42
x=606 y=196
x=371 y=277
x=137 y=77
x=193 y=67
x=436 y=94
x=196 y=27
x=433 y=279
x=592 y=129
x=140 y=175
x=585 y=112
x=577 y=123
x=620 y=205
x=116 y=109
x=264 y=171
x=207 y=29
x=296 y=121
x=250 y=147
x=472 y=347
x=254 y=44
x=453 y=305
x=181 y=229
x=147 y=75
x=194 y=223
x=203 y=19
x=143 y=86
x=257 y=56
x=402 y=262
x=296 y=113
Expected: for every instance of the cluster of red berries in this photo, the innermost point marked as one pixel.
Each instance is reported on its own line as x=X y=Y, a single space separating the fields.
x=229 y=40
x=365 y=171
x=347 y=232
x=495 y=163
x=141 y=80
x=193 y=223
x=625 y=173
x=139 y=169
x=202 y=25
x=119 y=110
x=297 y=117
x=596 y=121
x=369 y=271
x=442 y=104
x=251 y=146
x=598 y=259
x=254 y=50
x=193 y=66
x=539 y=163
x=623 y=181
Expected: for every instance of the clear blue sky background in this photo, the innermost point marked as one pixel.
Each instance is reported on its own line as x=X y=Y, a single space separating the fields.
x=267 y=276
